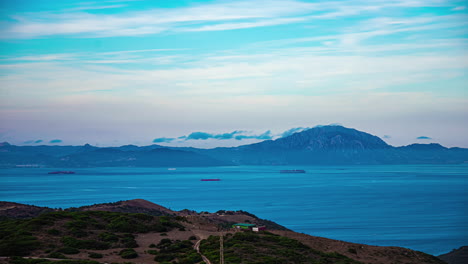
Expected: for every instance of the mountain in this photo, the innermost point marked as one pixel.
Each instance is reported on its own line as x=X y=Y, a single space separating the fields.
x=324 y=138
x=323 y=145
x=89 y=156
x=332 y=145
x=107 y=233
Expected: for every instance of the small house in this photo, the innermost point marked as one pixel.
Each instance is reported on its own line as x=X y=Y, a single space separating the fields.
x=251 y=227
x=243 y=226
x=258 y=228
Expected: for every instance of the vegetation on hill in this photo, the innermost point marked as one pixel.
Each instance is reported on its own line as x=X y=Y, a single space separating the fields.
x=265 y=247
x=69 y=232
x=82 y=237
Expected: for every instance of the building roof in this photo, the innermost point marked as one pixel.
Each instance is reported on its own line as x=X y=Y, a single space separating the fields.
x=242 y=224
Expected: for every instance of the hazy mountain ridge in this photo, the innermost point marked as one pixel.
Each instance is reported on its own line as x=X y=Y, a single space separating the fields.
x=325 y=145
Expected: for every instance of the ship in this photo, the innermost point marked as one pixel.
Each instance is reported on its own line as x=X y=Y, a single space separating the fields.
x=210 y=179
x=292 y=171
x=61 y=172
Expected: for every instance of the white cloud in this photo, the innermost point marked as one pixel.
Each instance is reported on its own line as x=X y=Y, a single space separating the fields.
x=207 y=17
x=96 y=7
x=459 y=8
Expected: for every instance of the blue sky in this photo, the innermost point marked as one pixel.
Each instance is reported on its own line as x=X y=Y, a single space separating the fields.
x=133 y=72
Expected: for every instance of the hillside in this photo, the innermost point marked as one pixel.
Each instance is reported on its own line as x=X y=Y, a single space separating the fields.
x=112 y=236
x=456 y=256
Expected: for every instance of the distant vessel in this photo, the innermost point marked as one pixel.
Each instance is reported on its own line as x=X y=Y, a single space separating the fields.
x=292 y=171
x=171 y=169
x=62 y=172
x=210 y=179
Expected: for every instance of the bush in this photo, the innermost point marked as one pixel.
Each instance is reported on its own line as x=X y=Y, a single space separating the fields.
x=18 y=260
x=84 y=244
x=108 y=237
x=53 y=232
x=76 y=232
x=164 y=257
x=152 y=245
x=128 y=253
x=56 y=255
x=68 y=250
x=94 y=255
x=192 y=238
x=128 y=241
x=18 y=245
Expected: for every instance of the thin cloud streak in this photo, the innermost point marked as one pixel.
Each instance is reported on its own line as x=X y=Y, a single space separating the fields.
x=225 y=15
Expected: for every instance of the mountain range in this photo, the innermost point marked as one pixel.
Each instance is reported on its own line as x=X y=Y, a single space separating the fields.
x=324 y=145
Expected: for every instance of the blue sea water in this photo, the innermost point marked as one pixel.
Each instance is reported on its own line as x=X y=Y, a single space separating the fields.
x=422 y=207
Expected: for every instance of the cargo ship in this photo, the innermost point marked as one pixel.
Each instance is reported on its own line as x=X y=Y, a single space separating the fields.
x=292 y=171
x=62 y=172
x=210 y=179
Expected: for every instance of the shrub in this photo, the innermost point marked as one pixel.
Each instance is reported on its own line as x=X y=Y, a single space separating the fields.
x=78 y=224
x=18 y=245
x=84 y=244
x=128 y=241
x=18 y=260
x=128 y=253
x=53 y=232
x=192 y=238
x=108 y=237
x=152 y=245
x=94 y=255
x=68 y=250
x=164 y=243
x=164 y=257
x=56 y=255
x=76 y=232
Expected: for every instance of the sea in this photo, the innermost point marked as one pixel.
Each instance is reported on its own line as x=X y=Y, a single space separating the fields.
x=421 y=207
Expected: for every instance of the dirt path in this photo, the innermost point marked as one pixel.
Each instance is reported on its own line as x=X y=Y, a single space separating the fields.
x=197 y=248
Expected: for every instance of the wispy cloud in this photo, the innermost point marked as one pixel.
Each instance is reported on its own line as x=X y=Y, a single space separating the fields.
x=292 y=131
x=235 y=135
x=264 y=136
x=459 y=8
x=203 y=17
x=423 y=137
x=163 y=140
x=96 y=7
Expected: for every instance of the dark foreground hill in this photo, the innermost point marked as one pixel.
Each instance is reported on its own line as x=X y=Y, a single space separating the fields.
x=325 y=145
x=103 y=233
x=456 y=256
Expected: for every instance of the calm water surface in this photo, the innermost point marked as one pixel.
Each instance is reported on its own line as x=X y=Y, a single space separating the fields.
x=421 y=207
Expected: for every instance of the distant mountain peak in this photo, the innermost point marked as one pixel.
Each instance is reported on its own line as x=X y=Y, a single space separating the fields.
x=4 y=144
x=420 y=146
x=331 y=137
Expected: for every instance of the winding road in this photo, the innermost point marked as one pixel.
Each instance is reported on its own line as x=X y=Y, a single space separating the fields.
x=197 y=248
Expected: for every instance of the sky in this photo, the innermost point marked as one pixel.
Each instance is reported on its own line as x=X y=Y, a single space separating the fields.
x=226 y=73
